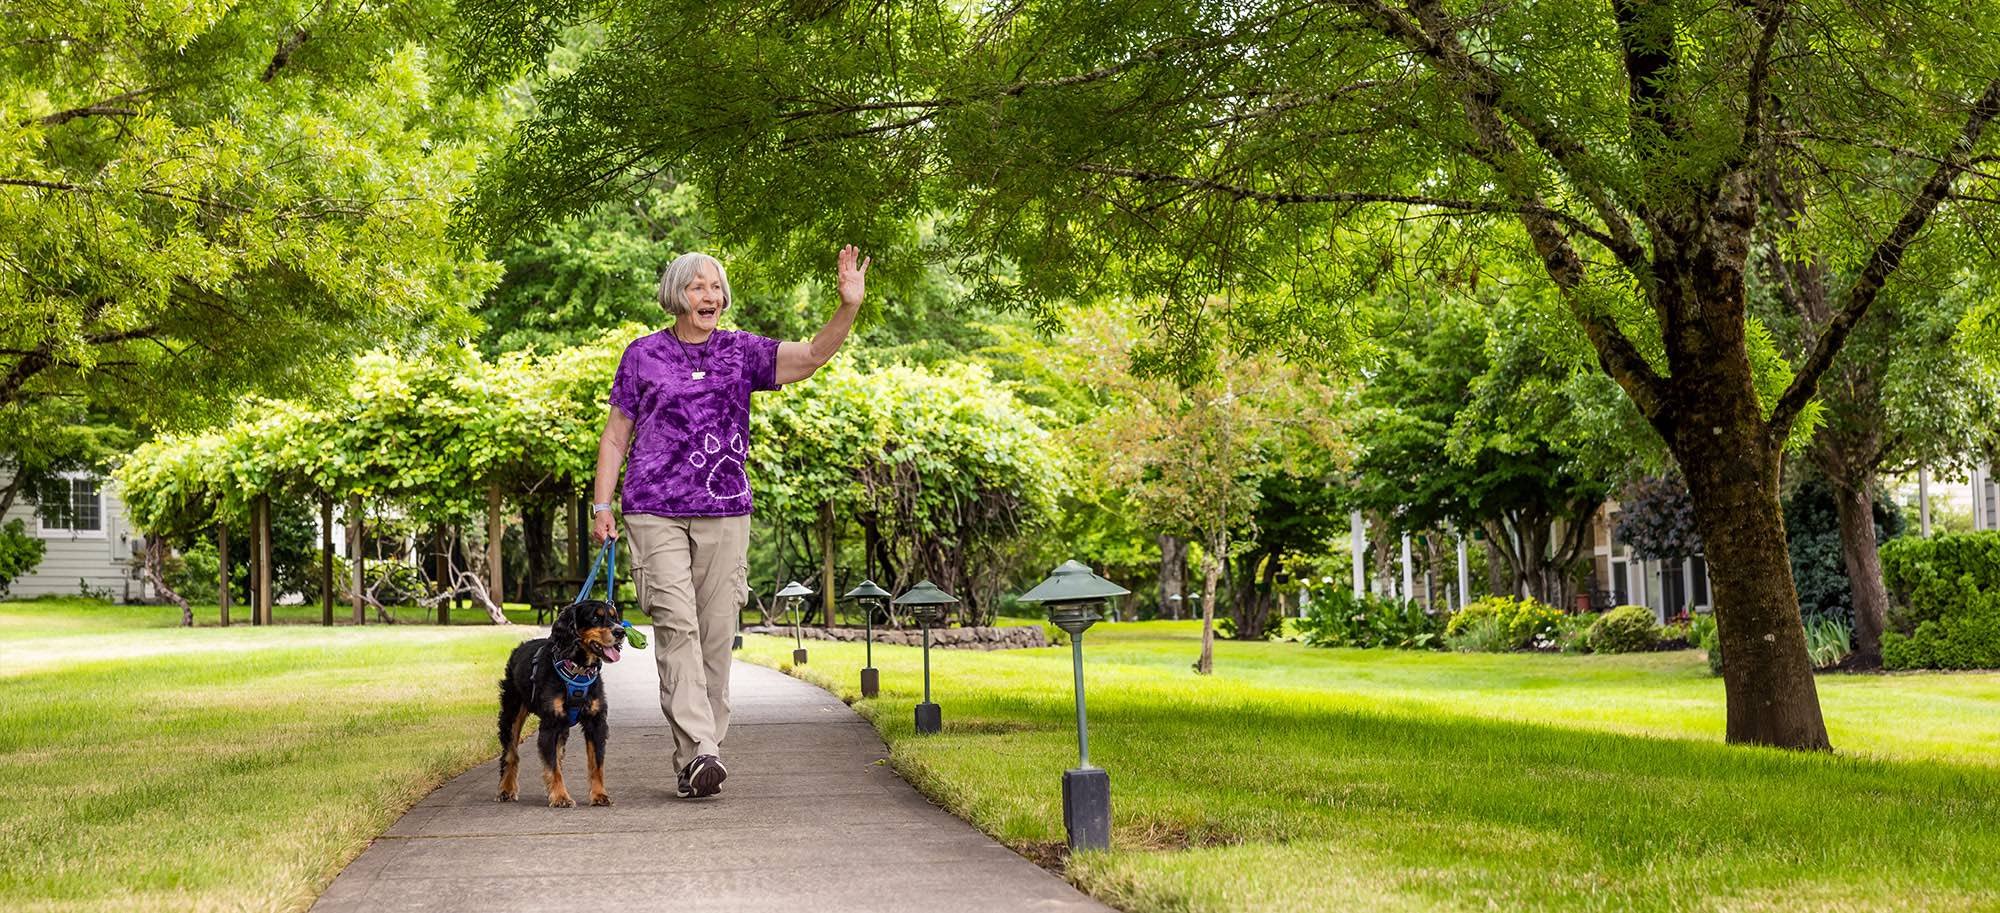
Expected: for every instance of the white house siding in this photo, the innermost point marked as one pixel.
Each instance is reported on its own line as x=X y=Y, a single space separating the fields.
x=1633 y=581
x=104 y=560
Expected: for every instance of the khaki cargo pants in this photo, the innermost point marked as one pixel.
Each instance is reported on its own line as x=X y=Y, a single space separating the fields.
x=692 y=574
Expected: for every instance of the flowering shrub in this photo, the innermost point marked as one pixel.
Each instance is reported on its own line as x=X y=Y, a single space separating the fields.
x=1521 y=622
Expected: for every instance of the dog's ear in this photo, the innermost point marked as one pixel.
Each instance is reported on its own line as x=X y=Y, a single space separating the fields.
x=563 y=632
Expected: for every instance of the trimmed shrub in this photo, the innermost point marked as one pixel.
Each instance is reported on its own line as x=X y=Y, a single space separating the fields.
x=1523 y=622
x=1967 y=639
x=1626 y=629
x=1342 y=620
x=1946 y=591
x=20 y=553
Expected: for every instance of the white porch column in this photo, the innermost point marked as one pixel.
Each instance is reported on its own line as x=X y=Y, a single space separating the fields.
x=1358 y=534
x=1409 y=587
x=1924 y=500
x=1464 y=574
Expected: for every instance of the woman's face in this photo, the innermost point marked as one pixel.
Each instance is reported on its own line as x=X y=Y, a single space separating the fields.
x=705 y=299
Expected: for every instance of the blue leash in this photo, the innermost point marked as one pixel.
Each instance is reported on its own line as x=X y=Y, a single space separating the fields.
x=607 y=561
x=576 y=681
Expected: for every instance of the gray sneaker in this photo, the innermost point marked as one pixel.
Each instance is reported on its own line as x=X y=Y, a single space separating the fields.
x=702 y=777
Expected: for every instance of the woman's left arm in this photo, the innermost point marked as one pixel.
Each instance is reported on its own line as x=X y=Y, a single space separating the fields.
x=798 y=360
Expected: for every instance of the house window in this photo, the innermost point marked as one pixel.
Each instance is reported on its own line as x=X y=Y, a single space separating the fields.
x=1698 y=574
x=79 y=514
x=1621 y=591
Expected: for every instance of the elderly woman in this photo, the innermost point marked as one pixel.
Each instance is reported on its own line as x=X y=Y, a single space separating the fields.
x=680 y=422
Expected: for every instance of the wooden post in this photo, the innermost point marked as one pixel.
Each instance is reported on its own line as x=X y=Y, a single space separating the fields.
x=443 y=547
x=356 y=557
x=326 y=561
x=263 y=549
x=222 y=555
x=496 y=527
x=250 y=578
x=826 y=563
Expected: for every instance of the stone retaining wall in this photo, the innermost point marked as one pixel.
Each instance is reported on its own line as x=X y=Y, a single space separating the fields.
x=1007 y=638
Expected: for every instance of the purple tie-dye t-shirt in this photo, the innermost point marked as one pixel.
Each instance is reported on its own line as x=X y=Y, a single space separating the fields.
x=690 y=411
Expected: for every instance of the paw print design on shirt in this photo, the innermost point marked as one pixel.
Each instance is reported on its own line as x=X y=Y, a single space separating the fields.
x=726 y=480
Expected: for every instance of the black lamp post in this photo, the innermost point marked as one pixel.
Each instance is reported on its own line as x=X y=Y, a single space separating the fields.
x=870 y=597
x=926 y=604
x=1073 y=595
x=791 y=594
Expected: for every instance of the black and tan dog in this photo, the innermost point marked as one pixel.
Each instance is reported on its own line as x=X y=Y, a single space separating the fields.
x=559 y=678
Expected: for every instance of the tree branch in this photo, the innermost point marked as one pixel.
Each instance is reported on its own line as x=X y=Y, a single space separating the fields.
x=1429 y=34
x=1883 y=262
x=1771 y=15
x=1282 y=198
x=107 y=107
x=284 y=54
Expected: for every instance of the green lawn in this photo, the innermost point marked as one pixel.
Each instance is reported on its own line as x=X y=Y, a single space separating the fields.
x=149 y=767
x=1298 y=778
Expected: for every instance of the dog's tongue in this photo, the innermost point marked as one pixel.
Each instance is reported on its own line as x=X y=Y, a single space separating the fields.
x=610 y=654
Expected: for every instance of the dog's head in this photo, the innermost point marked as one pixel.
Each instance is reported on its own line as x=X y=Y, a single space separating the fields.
x=590 y=627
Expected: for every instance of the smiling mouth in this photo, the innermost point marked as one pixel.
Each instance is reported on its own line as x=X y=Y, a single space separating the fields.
x=707 y=313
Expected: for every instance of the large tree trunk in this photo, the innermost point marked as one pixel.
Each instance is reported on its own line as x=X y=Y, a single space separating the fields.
x=1856 y=507
x=1732 y=471
x=1173 y=575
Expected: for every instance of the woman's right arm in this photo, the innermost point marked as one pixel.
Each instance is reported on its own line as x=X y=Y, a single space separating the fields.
x=611 y=447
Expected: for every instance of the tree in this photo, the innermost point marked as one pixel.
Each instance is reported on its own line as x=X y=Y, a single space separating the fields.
x=1464 y=423
x=429 y=435
x=1906 y=392
x=1819 y=567
x=1279 y=151
x=943 y=469
x=244 y=193
x=1656 y=519
x=1194 y=459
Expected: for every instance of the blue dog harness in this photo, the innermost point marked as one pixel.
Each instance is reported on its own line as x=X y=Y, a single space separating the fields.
x=577 y=681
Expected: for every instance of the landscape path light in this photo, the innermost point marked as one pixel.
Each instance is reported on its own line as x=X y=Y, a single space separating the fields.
x=870 y=597
x=791 y=594
x=1074 y=595
x=926 y=604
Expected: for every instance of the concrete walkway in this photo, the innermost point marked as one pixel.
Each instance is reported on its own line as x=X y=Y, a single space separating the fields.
x=807 y=821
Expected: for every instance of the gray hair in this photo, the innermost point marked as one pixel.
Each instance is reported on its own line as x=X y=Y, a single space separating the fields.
x=675 y=278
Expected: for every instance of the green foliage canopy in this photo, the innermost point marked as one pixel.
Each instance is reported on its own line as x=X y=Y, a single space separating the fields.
x=245 y=193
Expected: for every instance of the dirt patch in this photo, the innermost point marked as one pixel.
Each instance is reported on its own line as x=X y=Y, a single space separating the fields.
x=1051 y=855
x=1173 y=836
x=981 y=727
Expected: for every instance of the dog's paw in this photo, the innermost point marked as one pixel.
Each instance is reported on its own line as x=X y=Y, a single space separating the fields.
x=508 y=795
x=562 y=801
x=600 y=799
